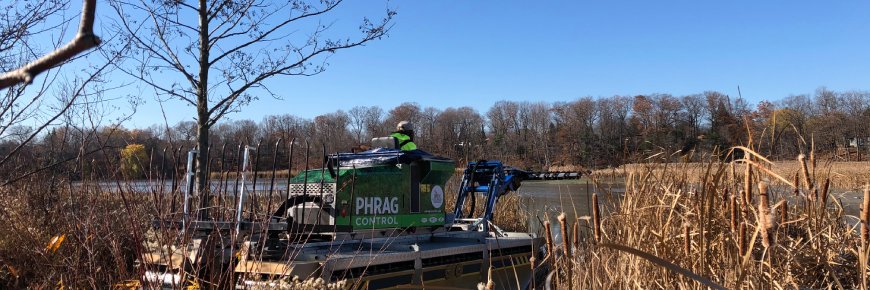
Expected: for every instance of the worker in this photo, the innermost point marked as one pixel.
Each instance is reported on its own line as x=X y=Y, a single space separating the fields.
x=405 y=136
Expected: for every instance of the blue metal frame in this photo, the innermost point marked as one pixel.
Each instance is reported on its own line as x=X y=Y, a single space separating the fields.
x=491 y=178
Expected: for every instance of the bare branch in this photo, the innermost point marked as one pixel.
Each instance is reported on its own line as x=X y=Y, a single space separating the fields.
x=84 y=40
x=275 y=28
x=224 y=105
x=175 y=61
x=150 y=45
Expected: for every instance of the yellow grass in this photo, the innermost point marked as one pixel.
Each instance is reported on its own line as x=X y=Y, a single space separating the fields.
x=678 y=227
x=843 y=175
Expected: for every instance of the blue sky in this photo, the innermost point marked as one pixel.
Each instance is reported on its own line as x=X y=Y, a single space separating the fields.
x=474 y=53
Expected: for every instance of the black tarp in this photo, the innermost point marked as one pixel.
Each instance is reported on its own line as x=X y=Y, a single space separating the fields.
x=381 y=156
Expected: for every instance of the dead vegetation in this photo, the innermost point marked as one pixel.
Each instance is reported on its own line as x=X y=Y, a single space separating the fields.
x=842 y=174
x=749 y=224
x=62 y=235
x=744 y=224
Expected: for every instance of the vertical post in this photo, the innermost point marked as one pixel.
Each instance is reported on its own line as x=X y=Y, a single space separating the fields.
x=191 y=155
x=222 y=177
x=289 y=167
x=254 y=206
x=272 y=181
x=175 y=166
x=161 y=184
x=150 y=175
x=162 y=174
x=304 y=188
x=239 y=164
x=248 y=150
x=323 y=166
x=205 y=191
x=290 y=224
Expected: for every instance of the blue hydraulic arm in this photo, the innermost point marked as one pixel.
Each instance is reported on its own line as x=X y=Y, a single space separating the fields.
x=492 y=179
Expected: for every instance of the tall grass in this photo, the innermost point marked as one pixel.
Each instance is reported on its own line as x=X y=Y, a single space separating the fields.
x=57 y=234
x=681 y=226
x=843 y=175
x=744 y=224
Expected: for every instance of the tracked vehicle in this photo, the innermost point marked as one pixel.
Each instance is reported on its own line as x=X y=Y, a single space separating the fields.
x=374 y=219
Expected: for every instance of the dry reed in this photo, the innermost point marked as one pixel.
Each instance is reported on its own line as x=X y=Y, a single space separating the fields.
x=843 y=174
x=596 y=217
x=563 y=226
x=490 y=284
x=765 y=219
x=747 y=184
x=687 y=240
x=576 y=233
x=566 y=246
x=797 y=184
x=783 y=213
x=824 y=195
x=549 y=235
x=865 y=216
x=734 y=214
x=806 y=172
x=532 y=266
x=741 y=240
x=668 y=218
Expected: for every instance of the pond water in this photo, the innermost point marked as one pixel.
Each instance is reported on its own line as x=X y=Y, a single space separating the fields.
x=218 y=187
x=545 y=200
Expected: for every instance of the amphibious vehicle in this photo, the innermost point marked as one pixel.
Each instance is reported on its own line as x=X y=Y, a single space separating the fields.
x=374 y=219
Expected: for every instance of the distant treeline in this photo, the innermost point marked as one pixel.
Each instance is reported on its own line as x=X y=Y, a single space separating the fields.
x=591 y=132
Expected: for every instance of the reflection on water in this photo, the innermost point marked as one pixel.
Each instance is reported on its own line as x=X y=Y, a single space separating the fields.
x=545 y=200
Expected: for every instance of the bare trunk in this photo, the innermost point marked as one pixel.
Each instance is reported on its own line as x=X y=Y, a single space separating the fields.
x=203 y=115
x=202 y=166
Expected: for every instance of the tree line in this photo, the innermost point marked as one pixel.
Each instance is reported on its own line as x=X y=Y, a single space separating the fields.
x=587 y=132
x=245 y=44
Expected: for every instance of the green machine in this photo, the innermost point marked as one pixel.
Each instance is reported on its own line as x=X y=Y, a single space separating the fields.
x=376 y=219
x=371 y=190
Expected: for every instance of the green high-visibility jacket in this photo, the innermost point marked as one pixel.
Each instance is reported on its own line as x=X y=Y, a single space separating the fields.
x=405 y=142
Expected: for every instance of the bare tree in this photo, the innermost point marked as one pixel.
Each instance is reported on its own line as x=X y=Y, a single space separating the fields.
x=407 y=111
x=425 y=130
x=575 y=135
x=613 y=128
x=365 y=122
x=285 y=127
x=374 y=122
x=459 y=132
x=802 y=106
x=826 y=100
x=242 y=43
x=695 y=111
x=855 y=103
x=357 y=116
x=505 y=127
x=332 y=130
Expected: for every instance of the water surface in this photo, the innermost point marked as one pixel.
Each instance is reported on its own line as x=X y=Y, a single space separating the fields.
x=545 y=200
